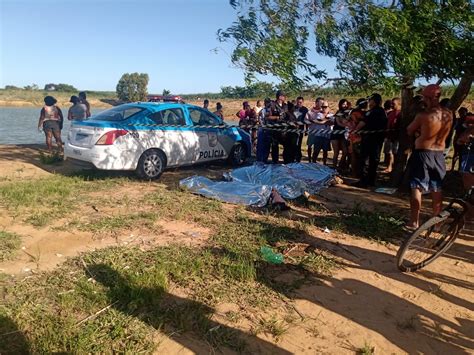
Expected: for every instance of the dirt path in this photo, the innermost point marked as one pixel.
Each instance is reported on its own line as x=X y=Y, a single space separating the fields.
x=367 y=303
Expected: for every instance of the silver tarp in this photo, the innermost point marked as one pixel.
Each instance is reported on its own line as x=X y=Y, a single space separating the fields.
x=252 y=185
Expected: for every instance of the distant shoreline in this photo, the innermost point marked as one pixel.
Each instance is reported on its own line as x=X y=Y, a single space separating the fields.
x=27 y=104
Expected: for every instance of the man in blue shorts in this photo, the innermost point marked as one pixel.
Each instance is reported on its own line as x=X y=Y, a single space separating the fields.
x=427 y=162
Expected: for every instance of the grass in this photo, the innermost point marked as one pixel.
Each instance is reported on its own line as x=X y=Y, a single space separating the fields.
x=271 y=326
x=9 y=244
x=49 y=159
x=367 y=349
x=43 y=200
x=114 y=224
x=373 y=225
x=135 y=284
x=119 y=299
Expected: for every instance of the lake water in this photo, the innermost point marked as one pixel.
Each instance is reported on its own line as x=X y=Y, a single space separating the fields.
x=19 y=125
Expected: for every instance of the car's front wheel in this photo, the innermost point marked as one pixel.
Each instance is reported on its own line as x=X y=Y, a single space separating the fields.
x=151 y=164
x=237 y=155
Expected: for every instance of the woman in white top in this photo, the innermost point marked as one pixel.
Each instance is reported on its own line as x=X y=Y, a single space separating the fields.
x=50 y=121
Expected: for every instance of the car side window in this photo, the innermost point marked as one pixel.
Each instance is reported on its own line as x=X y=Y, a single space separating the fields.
x=156 y=117
x=203 y=118
x=172 y=116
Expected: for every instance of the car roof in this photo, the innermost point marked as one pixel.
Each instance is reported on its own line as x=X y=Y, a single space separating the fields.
x=158 y=106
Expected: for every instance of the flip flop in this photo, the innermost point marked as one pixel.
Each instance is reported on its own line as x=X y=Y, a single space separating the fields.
x=409 y=229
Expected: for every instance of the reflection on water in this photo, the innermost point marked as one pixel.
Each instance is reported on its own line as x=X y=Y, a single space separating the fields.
x=19 y=125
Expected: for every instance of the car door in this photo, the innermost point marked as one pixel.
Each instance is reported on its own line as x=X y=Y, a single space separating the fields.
x=173 y=137
x=209 y=135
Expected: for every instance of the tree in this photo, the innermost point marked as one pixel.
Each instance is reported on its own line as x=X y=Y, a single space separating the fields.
x=12 y=87
x=50 y=87
x=377 y=44
x=166 y=92
x=31 y=87
x=132 y=87
x=65 y=88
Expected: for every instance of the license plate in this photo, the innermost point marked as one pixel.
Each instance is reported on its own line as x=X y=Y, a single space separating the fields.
x=77 y=151
x=81 y=137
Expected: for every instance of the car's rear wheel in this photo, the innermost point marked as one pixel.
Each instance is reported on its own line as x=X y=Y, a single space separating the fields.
x=237 y=155
x=151 y=164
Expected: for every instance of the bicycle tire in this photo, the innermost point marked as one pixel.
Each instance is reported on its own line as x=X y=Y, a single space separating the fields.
x=446 y=240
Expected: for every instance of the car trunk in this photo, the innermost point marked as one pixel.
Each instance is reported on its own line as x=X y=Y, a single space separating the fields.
x=85 y=134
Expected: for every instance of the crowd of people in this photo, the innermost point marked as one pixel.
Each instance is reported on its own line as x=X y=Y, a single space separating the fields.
x=358 y=135
x=51 y=118
x=325 y=131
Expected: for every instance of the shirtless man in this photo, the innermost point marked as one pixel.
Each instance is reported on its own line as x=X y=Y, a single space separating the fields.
x=428 y=166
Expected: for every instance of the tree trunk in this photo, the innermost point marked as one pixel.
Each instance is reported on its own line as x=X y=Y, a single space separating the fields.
x=462 y=90
x=405 y=142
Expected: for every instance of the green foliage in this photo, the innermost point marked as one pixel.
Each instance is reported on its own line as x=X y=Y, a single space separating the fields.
x=376 y=44
x=50 y=158
x=258 y=89
x=132 y=87
x=60 y=87
x=166 y=92
x=12 y=87
x=9 y=244
x=32 y=87
x=270 y=38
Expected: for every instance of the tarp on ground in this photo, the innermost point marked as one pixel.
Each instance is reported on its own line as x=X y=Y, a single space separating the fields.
x=252 y=185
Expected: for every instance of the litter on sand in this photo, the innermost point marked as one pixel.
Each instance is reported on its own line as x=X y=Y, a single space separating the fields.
x=386 y=190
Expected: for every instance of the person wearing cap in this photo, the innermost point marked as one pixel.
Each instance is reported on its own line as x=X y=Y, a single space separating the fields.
x=431 y=127
x=276 y=115
x=77 y=111
x=50 y=118
x=83 y=99
x=374 y=123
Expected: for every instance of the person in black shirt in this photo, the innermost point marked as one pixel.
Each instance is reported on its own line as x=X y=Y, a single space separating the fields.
x=459 y=128
x=290 y=139
x=276 y=115
x=300 y=114
x=338 y=139
x=371 y=145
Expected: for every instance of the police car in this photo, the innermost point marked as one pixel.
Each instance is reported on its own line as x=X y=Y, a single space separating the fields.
x=148 y=137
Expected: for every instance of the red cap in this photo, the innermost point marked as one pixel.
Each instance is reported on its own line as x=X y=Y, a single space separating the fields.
x=431 y=90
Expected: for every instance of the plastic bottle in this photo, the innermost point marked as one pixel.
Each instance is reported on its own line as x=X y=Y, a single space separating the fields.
x=270 y=256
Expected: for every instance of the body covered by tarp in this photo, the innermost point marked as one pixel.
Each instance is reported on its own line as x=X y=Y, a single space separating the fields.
x=252 y=185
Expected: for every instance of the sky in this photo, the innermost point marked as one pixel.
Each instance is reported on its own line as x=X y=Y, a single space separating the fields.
x=90 y=44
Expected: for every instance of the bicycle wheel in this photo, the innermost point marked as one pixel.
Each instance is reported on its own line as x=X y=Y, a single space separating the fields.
x=429 y=241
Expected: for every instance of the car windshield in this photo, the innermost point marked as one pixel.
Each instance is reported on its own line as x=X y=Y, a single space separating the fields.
x=118 y=113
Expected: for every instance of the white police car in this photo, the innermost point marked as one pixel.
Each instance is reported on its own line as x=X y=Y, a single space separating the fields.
x=149 y=137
